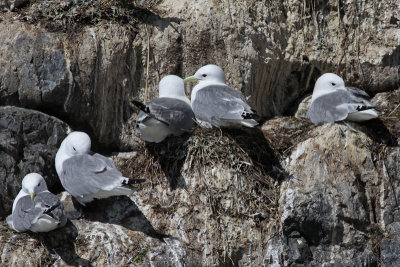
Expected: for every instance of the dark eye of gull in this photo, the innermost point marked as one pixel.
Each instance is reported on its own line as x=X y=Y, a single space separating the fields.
x=204 y=75
x=333 y=84
x=74 y=148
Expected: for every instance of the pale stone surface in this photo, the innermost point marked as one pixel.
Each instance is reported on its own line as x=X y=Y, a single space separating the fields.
x=304 y=195
x=328 y=204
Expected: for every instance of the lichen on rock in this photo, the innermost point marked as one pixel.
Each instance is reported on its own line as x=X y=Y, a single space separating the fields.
x=288 y=193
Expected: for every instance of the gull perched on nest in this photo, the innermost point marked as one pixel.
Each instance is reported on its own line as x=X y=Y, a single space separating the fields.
x=170 y=114
x=87 y=176
x=332 y=101
x=35 y=208
x=216 y=104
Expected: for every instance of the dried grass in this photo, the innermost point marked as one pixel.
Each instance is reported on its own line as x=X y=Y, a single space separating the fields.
x=69 y=15
x=234 y=167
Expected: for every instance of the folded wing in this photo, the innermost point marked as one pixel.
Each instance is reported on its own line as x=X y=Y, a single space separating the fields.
x=340 y=105
x=177 y=115
x=88 y=174
x=222 y=106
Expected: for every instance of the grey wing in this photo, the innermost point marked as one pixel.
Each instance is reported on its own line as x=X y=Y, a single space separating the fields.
x=51 y=205
x=336 y=106
x=218 y=102
x=358 y=93
x=106 y=160
x=175 y=113
x=86 y=174
x=25 y=214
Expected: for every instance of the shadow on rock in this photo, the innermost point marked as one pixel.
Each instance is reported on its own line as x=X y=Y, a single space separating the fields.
x=171 y=155
x=120 y=210
x=377 y=130
x=148 y=17
x=253 y=142
x=62 y=243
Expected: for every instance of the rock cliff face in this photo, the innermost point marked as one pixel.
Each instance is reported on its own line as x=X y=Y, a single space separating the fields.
x=29 y=141
x=286 y=194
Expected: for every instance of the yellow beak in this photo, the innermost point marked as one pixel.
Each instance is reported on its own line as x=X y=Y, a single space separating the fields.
x=190 y=79
x=32 y=196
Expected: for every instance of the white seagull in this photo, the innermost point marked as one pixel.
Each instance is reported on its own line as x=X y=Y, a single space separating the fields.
x=35 y=208
x=170 y=114
x=87 y=176
x=216 y=104
x=331 y=101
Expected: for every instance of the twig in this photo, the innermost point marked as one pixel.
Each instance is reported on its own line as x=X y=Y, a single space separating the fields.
x=147 y=64
x=393 y=110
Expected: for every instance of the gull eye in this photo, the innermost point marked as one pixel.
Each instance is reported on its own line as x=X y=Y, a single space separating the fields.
x=74 y=148
x=204 y=75
x=333 y=84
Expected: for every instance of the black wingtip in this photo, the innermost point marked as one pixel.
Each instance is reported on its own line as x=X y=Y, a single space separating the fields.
x=253 y=116
x=140 y=105
x=134 y=181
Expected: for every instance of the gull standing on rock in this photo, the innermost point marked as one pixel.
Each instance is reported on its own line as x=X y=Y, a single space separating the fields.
x=216 y=104
x=170 y=114
x=35 y=208
x=331 y=101
x=87 y=176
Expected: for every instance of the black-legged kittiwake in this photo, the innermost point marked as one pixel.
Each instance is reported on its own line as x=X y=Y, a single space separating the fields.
x=170 y=114
x=35 y=208
x=331 y=101
x=216 y=104
x=87 y=176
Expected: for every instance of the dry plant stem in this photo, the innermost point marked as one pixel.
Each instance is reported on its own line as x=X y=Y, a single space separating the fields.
x=393 y=110
x=147 y=64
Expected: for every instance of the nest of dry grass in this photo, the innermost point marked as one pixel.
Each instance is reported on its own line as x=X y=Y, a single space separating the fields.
x=70 y=15
x=234 y=170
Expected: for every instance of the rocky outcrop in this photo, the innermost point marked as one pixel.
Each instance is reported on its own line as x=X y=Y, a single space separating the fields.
x=274 y=52
x=328 y=205
x=85 y=77
x=84 y=63
x=29 y=141
x=304 y=195
x=292 y=194
x=192 y=211
x=338 y=205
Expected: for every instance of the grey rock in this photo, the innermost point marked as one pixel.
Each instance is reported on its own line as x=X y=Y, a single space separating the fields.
x=185 y=215
x=390 y=250
x=85 y=78
x=273 y=51
x=12 y=4
x=303 y=107
x=304 y=196
x=326 y=205
x=29 y=141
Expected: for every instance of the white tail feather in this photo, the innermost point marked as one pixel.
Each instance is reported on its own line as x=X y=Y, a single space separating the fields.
x=364 y=115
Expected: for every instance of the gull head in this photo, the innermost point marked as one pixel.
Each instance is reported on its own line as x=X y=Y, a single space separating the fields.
x=172 y=86
x=209 y=73
x=33 y=184
x=326 y=84
x=77 y=143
